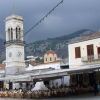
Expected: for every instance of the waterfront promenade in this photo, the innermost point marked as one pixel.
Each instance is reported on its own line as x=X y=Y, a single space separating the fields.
x=66 y=98
x=59 y=92
x=52 y=93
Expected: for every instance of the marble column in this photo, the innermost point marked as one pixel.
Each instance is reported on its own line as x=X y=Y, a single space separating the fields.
x=6 y=85
x=23 y=85
x=16 y=85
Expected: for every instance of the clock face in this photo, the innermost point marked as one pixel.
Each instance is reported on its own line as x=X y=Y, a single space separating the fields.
x=19 y=54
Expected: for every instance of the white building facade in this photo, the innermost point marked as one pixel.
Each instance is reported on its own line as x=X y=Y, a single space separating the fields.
x=84 y=52
x=14 y=45
x=84 y=59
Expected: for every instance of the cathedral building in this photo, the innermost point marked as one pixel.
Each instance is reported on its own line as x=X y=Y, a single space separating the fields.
x=50 y=56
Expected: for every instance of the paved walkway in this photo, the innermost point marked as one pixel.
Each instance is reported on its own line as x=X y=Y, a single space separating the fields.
x=67 y=98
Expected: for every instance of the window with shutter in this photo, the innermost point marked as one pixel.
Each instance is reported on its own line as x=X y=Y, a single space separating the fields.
x=77 y=52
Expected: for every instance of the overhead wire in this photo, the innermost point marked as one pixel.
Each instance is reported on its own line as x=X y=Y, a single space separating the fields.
x=43 y=18
x=40 y=21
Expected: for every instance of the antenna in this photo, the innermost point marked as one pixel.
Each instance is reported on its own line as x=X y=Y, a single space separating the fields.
x=13 y=7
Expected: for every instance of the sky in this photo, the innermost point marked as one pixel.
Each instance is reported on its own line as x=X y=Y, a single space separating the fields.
x=71 y=16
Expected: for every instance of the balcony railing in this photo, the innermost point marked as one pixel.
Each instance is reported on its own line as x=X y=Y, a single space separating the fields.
x=90 y=58
x=15 y=42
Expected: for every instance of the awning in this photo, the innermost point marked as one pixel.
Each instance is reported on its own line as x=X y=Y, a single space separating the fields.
x=84 y=69
x=17 y=78
x=51 y=74
x=66 y=72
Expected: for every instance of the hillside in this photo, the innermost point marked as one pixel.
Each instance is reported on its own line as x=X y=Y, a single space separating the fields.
x=2 y=50
x=58 y=44
x=38 y=48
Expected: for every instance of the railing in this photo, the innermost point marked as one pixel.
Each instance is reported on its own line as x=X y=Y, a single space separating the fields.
x=16 y=42
x=90 y=58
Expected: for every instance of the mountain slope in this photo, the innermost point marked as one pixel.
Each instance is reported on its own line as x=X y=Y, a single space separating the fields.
x=59 y=44
x=38 y=48
x=2 y=50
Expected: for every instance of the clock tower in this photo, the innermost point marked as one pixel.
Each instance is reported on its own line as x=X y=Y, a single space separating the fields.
x=15 y=62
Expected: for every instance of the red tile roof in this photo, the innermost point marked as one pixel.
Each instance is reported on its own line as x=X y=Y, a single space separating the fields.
x=50 y=52
x=2 y=66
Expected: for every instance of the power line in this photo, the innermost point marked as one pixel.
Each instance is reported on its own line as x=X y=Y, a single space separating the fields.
x=43 y=18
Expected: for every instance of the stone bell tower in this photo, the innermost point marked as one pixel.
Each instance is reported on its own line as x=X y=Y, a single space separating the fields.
x=15 y=62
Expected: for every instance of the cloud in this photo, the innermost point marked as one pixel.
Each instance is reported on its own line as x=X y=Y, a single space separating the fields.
x=71 y=16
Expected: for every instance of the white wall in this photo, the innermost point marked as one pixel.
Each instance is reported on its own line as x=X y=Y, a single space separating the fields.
x=66 y=81
x=76 y=62
x=55 y=65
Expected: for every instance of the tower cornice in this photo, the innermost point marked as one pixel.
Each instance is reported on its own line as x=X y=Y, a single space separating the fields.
x=15 y=17
x=14 y=42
